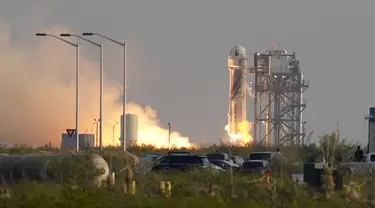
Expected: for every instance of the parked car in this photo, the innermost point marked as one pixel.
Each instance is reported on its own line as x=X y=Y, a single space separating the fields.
x=182 y=162
x=218 y=156
x=268 y=156
x=225 y=164
x=150 y=156
x=255 y=166
x=366 y=165
x=238 y=160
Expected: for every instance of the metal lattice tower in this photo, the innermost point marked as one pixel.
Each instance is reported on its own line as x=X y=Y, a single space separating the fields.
x=278 y=98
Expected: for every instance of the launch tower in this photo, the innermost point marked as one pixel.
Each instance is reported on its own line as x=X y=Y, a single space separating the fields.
x=278 y=89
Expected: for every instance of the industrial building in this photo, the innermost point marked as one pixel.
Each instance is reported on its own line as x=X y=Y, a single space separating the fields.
x=85 y=141
x=277 y=90
x=131 y=132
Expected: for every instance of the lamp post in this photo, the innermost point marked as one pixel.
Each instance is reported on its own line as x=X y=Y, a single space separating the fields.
x=92 y=127
x=124 y=45
x=169 y=135
x=76 y=45
x=97 y=121
x=113 y=134
x=101 y=82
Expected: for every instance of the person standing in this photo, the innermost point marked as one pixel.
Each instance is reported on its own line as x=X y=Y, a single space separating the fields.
x=358 y=155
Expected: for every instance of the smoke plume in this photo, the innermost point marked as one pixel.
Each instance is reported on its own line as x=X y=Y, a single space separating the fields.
x=37 y=89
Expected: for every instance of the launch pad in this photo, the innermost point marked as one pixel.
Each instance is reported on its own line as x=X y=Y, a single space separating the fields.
x=277 y=93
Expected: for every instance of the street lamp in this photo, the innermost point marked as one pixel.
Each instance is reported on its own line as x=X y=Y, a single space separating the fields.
x=76 y=45
x=101 y=81
x=113 y=133
x=169 y=135
x=123 y=44
x=92 y=127
x=97 y=121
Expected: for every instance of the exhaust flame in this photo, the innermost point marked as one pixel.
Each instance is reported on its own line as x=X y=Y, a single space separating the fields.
x=243 y=138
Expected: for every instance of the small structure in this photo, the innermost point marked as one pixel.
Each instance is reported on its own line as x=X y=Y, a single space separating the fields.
x=313 y=175
x=85 y=141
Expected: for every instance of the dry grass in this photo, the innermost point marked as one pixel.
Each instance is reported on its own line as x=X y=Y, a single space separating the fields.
x=193 y=189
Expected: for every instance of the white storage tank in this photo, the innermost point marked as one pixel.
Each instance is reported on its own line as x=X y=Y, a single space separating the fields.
x=131 y=135
x=43 y=166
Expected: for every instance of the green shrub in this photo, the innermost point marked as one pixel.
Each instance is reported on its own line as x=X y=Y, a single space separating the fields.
x=188 y=190
x=193 y=189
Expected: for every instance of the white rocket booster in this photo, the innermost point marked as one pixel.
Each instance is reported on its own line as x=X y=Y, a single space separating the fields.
x=237 y=64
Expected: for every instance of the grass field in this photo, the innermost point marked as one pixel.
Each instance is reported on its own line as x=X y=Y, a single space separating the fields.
x=188 y=190
x=193 y=189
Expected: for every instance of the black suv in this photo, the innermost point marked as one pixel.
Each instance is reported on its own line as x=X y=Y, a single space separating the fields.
x=180 y=162
x=255 y=166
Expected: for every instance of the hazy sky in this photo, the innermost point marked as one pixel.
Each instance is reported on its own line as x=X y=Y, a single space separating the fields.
x=178 y=53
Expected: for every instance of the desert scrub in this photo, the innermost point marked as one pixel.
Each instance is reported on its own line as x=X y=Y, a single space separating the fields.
x=101 y=198
x=187 y=191
x=190 y=190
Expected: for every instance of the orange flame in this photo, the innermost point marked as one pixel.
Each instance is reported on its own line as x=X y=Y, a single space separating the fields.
x=243 y=138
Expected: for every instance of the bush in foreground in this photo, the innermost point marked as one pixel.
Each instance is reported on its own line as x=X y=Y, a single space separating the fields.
x=189 y=190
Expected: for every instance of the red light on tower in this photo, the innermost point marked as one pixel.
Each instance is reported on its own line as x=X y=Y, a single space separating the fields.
x=273 y=45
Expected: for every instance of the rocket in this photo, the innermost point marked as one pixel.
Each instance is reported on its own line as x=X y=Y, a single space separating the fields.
x=237 y=65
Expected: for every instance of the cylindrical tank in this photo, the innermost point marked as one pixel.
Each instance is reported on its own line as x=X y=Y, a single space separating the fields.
x=237 y=64
x=131 y=132
x=44 y=166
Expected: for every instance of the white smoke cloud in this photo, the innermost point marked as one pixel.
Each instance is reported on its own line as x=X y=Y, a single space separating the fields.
x=37 y=87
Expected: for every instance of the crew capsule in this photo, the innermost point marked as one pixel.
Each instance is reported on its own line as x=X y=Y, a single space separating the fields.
x=237 y=57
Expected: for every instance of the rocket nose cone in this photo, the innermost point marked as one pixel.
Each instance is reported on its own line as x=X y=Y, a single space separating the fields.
x=238 y=51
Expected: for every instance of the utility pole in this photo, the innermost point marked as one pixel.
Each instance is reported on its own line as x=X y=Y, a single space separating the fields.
x=124 y=45
x=76 y=45
x=101 y=82
x=169 y=135
x=113 y=134
x=92 y=127
x=97 y=132
x=336 y=141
